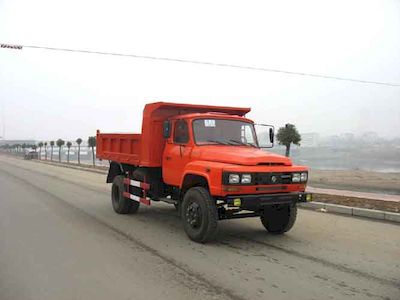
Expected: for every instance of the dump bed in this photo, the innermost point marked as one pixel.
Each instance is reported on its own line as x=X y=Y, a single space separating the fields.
x=121 y=147
x=146 y=149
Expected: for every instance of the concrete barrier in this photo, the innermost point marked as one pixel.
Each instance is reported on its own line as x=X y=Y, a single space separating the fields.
x=353 y=211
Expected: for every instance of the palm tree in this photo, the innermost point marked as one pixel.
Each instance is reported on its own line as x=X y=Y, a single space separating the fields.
x=69 y=144
x=40 y=149
x=45 y=150
x=92 y=144
x=60 y=143
x=288 y=135
x=79 y=142
x=34 y=147
x=51 y=146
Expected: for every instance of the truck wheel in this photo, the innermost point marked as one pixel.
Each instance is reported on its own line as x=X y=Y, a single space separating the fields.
x=199 y=215
x=278 y=220
x=121 y=204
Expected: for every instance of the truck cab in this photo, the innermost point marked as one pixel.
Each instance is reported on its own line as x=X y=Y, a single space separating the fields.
x=210 y=162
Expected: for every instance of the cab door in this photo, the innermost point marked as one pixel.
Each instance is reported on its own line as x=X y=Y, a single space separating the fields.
x=177 y=153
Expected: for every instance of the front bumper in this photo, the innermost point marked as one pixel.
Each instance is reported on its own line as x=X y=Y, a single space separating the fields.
x=257 y=202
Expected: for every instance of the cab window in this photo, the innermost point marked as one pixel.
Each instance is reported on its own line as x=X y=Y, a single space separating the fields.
x=181 y=132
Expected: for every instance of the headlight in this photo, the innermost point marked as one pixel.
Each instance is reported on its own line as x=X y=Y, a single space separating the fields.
x=303 y=177
x=246 y=178
x=234 y=178
x=296 y=177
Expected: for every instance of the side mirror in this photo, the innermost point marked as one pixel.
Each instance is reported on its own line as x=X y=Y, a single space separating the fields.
x=167 y=129
x=265 y=135
x=271 y=135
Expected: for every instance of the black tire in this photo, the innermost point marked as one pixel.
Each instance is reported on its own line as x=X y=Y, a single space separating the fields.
x=280 y=219
x=177 y=207
x=199 y=215
x=121 y=204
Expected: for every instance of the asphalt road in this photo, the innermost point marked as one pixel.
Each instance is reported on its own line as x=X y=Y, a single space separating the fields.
x=60 y=239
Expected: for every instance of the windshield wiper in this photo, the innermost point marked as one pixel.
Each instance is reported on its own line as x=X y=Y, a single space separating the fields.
x=219 y=142
x=243 y=143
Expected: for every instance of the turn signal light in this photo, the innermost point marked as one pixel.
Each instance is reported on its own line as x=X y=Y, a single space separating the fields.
x=231 y=189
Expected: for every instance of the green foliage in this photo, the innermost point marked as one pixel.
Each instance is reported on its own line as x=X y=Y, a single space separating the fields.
x=92 y=141
x=92 y=144
x=60 y=143
x=79 y=142
x=69 y=144
x=40 y=144
x=52 y=143
x=288 y=135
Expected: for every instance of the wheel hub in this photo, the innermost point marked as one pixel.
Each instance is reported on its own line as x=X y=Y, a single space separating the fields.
x=193 y=215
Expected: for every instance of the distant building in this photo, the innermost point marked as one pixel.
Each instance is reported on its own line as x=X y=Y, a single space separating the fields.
x=15 y=142
x=347 y=137
x=310 y=139
x=370 y=137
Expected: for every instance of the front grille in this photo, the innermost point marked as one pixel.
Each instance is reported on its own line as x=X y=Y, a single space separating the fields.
x=272 y=178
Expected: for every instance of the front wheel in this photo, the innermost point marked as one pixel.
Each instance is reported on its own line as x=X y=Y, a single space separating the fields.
x=199 y=215
x=279 y=219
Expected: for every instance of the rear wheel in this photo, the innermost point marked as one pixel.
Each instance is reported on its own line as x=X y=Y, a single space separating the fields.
x=199 y=215
x=121 y=204
x=279 y=219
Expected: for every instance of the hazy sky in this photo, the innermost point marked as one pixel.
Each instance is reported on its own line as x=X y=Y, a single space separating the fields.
x=49 y=95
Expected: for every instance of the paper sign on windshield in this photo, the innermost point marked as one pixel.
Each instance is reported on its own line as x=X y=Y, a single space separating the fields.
x=209 y=123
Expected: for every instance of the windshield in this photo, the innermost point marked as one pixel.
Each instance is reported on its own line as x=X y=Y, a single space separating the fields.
x=224 y=132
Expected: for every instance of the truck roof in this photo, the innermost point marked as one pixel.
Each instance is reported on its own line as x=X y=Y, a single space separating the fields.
x=211 y=115
x=182 y=108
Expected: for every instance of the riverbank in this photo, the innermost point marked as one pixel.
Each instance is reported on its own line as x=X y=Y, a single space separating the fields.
x=356 y=180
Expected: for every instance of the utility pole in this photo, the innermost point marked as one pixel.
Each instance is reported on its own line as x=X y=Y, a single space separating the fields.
x=3 y=122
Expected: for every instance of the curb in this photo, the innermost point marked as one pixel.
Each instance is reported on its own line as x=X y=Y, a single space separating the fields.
x=352 y=211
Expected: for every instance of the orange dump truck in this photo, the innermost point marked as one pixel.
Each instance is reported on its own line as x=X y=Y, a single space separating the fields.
x=208 y=161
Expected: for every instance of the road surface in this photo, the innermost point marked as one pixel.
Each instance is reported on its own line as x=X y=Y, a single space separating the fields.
x=60 y=239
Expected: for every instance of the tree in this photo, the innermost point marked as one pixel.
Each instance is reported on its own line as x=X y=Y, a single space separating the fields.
x=40 y=149
x=51 y=146
x=69 y=144
x=60 y=143
x=92 y=144
x=34 y=147
x=288 y=135
x=79 y=142
x=45 y=150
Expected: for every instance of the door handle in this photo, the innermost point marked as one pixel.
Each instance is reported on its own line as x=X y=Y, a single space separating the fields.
x=168 y=158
